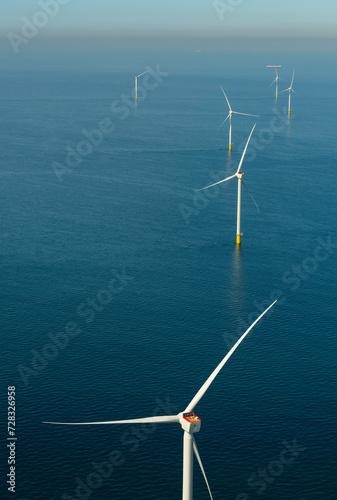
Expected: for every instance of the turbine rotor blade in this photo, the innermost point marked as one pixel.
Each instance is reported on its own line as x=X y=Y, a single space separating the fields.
x=143 y=73
x=146 y=420
x=244 y=152
x=224 y=93
x=224 y=180
x=223 y=122
x=195 y=449
x=251 y=196
x=272 y=83
x=292 y=80
x=245 y=114
x=210 y=379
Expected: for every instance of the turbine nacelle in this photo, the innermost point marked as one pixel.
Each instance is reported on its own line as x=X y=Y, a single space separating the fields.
x=239 y=175
x=190 y=422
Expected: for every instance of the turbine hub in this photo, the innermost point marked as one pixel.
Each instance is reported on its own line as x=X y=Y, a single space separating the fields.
x=190 y=422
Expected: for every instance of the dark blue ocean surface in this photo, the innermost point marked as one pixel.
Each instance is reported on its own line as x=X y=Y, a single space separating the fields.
x=122 y=288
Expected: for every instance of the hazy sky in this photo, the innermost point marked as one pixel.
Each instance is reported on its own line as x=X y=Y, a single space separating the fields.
x=175 y=19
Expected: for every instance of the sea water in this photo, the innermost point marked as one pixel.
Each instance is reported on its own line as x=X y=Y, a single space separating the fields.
x=122 y=287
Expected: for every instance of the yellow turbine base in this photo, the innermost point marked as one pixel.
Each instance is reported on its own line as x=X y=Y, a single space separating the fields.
x=289 y=112
x=276 y=96
x=230 y=147
x=136 y=97
x=238 y=239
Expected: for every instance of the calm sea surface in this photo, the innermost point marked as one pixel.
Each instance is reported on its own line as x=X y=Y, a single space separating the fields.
x=125 y=214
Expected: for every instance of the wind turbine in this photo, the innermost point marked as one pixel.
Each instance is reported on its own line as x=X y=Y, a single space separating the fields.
x=239 y=175
x=275 y=81
x=231 y=112
x=189 y=422
x=136 y=83
x=290 y=90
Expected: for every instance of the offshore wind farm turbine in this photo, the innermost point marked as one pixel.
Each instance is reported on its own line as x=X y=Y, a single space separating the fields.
x=276 y=80
x=239 y=176
x=190 y=423
x=136 y=82
x=231 y=112
x=290 y=90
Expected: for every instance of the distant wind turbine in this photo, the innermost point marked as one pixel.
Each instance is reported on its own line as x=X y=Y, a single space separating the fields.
x=189 y=422
x=275 y=81
x=239 y=175
x=290 y=90
x=136 y=83
x=231 y=112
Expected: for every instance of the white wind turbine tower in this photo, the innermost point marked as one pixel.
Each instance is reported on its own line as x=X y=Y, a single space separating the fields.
x=290 y=90
x=239 y=175
x=136 y=83
x=276 y=80
x=231 y=112
x=189 y=422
